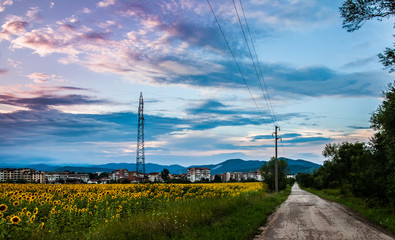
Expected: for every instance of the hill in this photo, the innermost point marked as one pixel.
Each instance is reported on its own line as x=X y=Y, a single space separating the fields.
x=230 y=165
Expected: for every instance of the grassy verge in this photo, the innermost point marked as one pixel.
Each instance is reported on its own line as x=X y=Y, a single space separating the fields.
x=384 y=217
x=228 y=218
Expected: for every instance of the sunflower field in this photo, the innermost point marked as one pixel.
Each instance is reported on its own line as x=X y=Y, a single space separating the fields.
x=40 y=211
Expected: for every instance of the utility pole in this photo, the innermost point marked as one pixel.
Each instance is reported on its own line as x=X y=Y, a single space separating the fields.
x=276 y=161
x=140 y=155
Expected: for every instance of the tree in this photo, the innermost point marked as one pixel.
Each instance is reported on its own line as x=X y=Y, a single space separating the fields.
x=267 y=172
x=217 y=178
x=383 y=122
x=165 y=174
x=356 y=12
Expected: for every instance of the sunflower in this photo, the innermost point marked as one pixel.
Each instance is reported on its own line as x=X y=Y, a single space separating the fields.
x=15 y=220
x=35 y=211
x=16 y=203
x=32 y=218
x=3 y=208
x=28 y=213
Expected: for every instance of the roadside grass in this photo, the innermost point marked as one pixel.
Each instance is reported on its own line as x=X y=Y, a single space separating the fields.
x=384 y=217
x=228 y=218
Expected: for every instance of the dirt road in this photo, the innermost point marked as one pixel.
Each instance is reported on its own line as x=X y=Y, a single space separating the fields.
x=306 y=216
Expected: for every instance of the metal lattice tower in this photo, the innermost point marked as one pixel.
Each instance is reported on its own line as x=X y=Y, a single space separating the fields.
x=140 y=156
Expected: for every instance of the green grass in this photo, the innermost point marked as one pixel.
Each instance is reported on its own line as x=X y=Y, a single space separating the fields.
x=384 y=217
x=228 y=218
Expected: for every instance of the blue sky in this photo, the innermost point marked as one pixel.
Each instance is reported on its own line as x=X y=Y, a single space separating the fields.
x=71 y=73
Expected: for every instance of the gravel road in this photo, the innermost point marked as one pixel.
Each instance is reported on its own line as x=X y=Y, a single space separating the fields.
x=306 y=216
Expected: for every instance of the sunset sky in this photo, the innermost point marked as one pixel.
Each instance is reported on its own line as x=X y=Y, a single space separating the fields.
x=71 y=73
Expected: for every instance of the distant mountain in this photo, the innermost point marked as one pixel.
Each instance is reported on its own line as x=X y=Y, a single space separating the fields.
x=239 y=165
x=231 y=165
x=149 y=167
x=86 y=169
x=298 y=166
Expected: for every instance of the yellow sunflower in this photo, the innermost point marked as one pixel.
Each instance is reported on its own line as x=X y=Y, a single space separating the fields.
x=16 y=203
x=15 y=220
x=32 y=218
x=3 y=208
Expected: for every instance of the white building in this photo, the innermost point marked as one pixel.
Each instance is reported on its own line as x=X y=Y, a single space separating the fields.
x=198 y=174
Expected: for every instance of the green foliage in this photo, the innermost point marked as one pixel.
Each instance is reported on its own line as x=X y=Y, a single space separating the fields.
x=267 y=172
x=356 y=12
x=364 y=170
x=383 y=121
x=165 y=174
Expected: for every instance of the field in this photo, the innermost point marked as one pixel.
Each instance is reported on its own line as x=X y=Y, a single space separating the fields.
x=156 y=211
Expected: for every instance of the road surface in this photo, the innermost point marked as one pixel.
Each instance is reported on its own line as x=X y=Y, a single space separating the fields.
x=306 y=216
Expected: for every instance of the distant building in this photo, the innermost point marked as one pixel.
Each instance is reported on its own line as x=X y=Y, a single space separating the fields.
x=66 y=177
x=56 y=177
x=25 y=174
x=198 y=174
x=119 y=174
x=77 y=178
x=239 y=176
x=155 y=177
x=182 y=176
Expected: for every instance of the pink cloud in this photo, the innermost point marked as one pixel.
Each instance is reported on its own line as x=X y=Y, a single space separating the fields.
x=11 y=28
x=44 y=78
x=3 y=71
x=34 y=14
x=4 y=3
x=106 y=3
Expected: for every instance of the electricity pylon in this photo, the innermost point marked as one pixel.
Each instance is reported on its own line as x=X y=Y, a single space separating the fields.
x=140 y=156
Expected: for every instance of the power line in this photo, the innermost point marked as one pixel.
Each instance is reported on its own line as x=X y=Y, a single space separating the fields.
x=253 y=62
x=259 y=65
x=234 y=59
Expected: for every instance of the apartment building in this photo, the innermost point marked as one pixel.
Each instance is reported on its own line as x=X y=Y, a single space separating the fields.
x=198 y=174
x=26 y=174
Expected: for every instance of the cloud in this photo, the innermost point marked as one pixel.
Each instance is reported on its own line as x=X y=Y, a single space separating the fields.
x=106 y=3
x=43 y=77
x=46 y=101
x=311 y=140
x=14 y=63
x=43 y=99
x=322 y=81
x=4 y=3
x=34 y=14
x=300 y=15
x=13 y=27
x=358 y=127
x=212 y=107
x=164 y=50
x=3 y=71
x=282 y=136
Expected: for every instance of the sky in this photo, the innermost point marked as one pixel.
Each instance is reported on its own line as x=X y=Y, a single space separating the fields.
x=216 y=78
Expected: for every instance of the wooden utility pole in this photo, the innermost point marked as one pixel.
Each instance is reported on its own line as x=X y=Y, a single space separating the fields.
x=276 y=161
